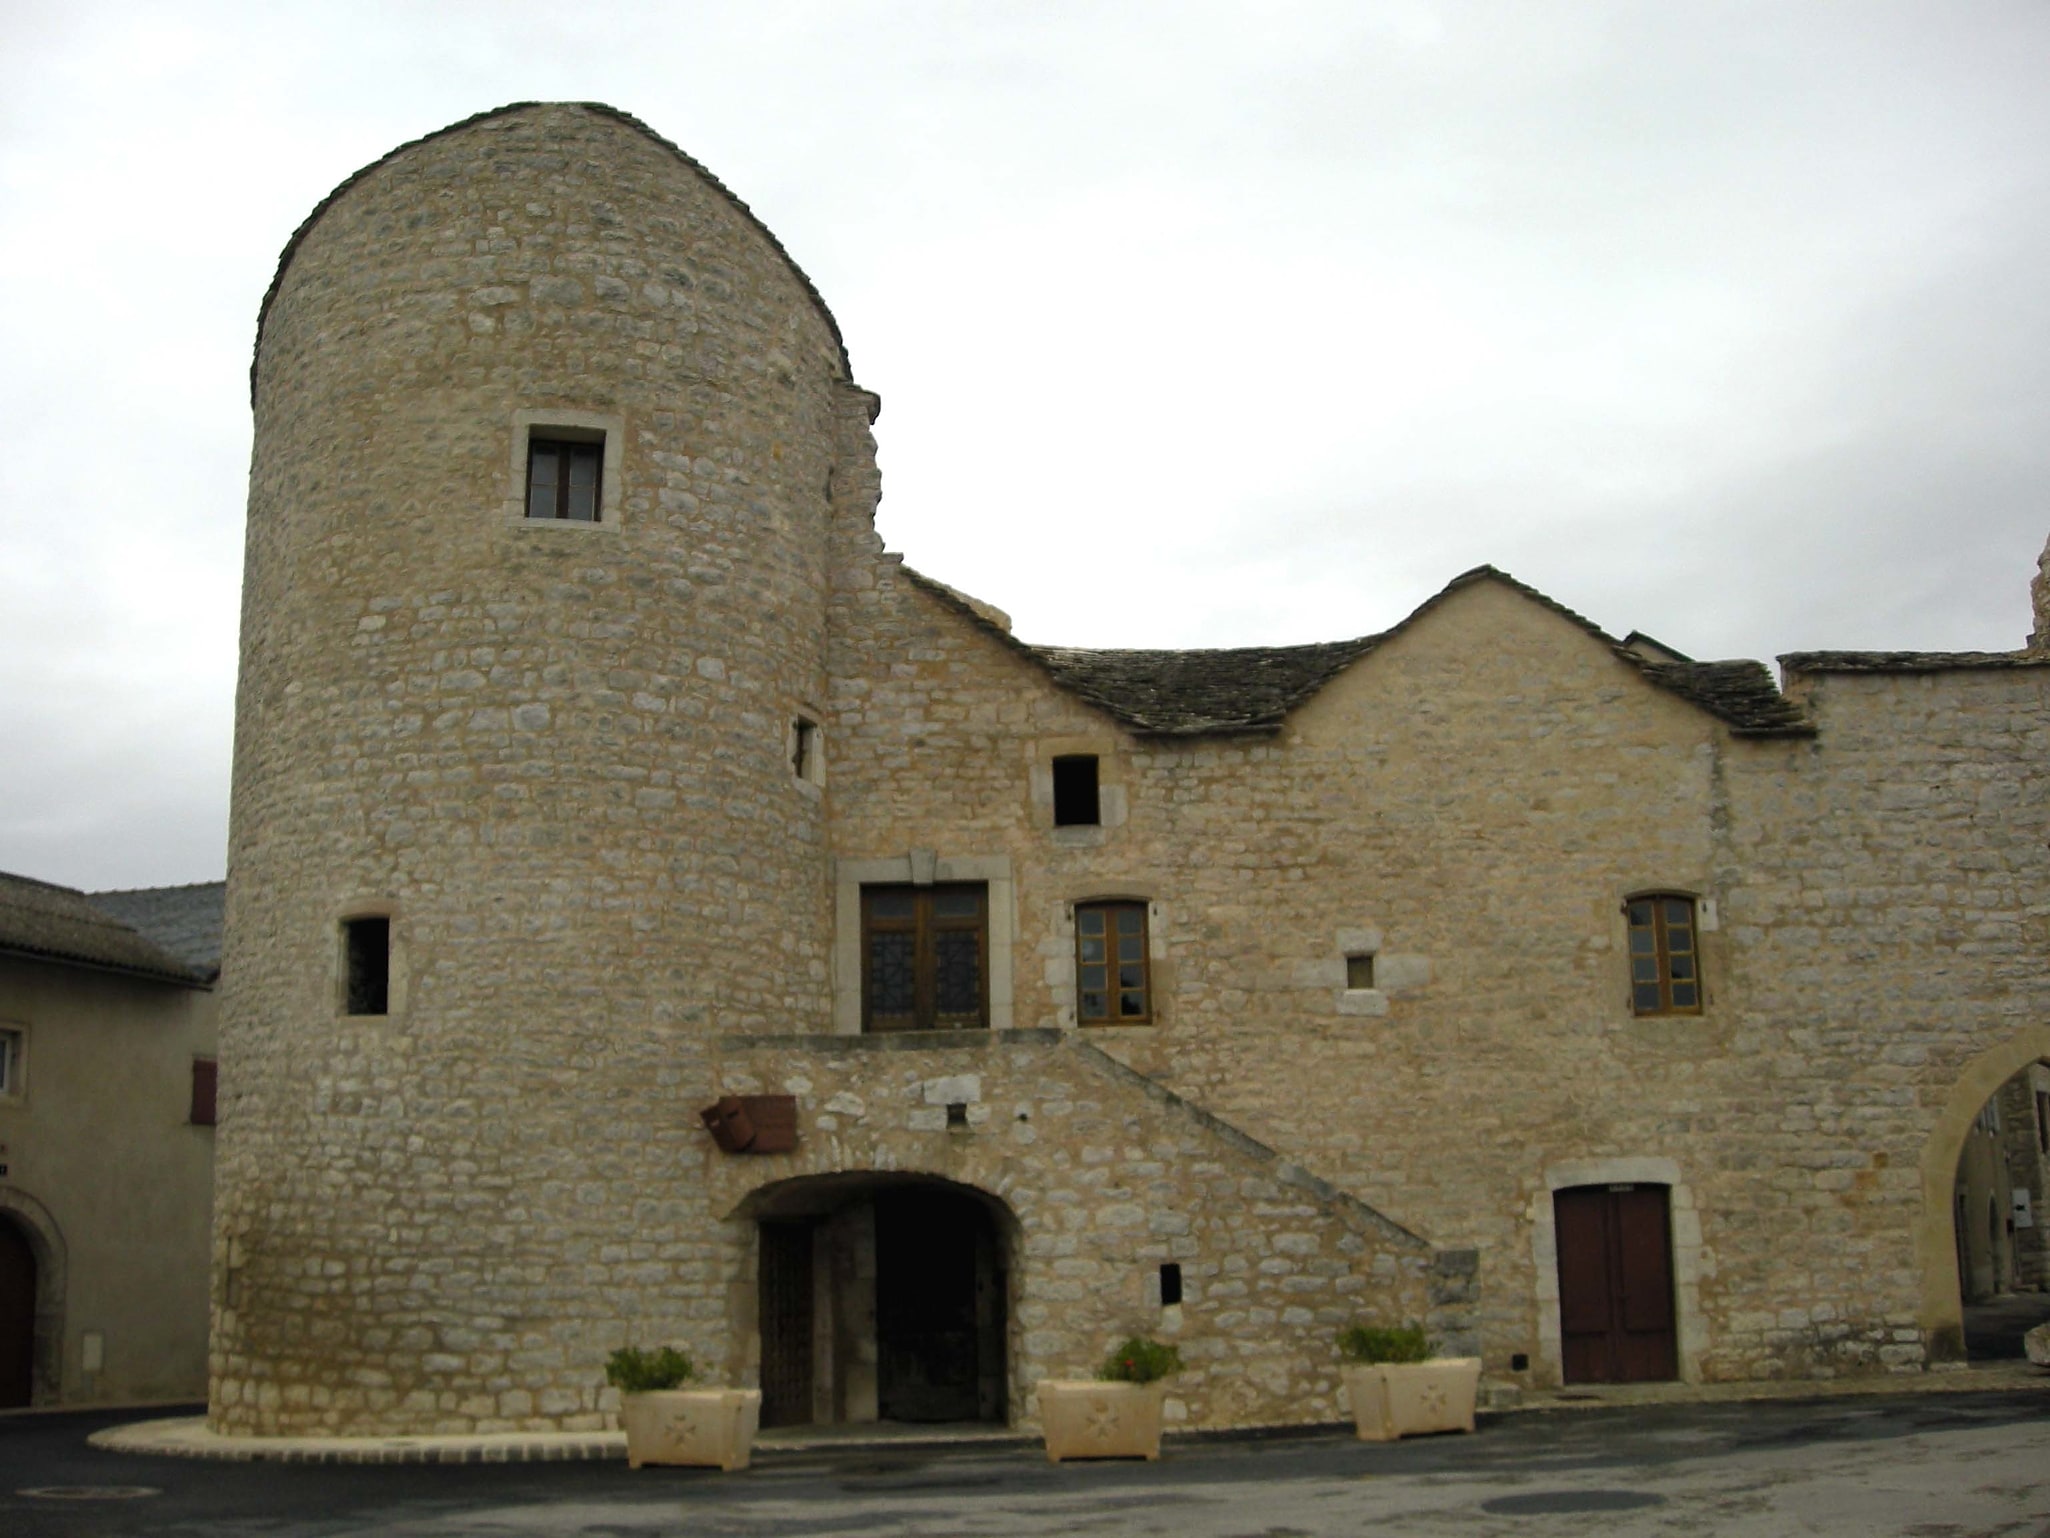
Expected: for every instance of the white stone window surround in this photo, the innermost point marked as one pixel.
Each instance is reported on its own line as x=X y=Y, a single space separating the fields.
x=589 y=426
x=805 y=731
x=1112 y=803
x=1395 y=974
x=395 y=974
x=921 y=867
x=1684 y=1219
x=1061 y=961
x=13 y=1063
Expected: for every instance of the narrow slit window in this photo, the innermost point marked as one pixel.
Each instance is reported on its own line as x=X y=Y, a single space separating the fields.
x=1170 y=1284
x=205 y=1088
x=804 y=749
x=366 y=965
x=1359 y=972
x=11 y=1045
x=1076 y=803
x=563 y=479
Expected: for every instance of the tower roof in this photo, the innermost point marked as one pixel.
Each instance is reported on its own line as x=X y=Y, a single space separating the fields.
x=596 y=107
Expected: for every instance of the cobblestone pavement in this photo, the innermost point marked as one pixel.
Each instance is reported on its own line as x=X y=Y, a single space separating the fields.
x=1921 y=1466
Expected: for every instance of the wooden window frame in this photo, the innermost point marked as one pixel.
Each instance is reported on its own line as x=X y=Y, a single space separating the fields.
x=925 y=926
x=571 y=447
x=1110 y=908
x=1662 y=953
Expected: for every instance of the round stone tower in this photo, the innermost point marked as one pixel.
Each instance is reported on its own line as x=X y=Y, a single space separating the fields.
x=551 y=441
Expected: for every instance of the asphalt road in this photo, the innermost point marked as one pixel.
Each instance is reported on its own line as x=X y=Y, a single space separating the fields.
x=1934 y=1466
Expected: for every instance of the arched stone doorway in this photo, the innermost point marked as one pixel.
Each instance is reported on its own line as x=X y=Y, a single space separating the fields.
x=882 y=1297
x=1981 y=1244
x=32 y=1291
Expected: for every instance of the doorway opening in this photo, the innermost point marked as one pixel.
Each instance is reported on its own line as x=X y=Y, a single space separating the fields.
x=1615 y=1247
x=1998 y=1195
x=883 y=1297
x=17 y=1316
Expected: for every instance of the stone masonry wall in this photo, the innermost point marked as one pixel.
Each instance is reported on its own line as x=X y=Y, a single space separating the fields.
x=1105 y=1177
x=557 y=756
x=1472 y=802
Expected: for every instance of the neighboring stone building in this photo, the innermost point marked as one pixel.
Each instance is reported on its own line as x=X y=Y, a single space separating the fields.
x=1614 y=1014
x=106 y=1141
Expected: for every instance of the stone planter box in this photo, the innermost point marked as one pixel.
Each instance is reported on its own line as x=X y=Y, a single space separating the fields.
x=712 y=1427
x=1398 y=1399
x=1087 y=1418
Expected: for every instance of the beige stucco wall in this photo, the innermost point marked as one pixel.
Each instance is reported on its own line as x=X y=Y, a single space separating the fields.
x=109 y=1178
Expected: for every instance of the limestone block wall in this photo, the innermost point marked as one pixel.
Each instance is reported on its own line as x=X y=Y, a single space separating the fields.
x=1105 y=1177
x=556 y=756
x=1890 y=927
x=1472 y=802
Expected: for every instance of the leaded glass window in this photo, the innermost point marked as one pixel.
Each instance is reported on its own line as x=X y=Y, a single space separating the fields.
x=925 y=959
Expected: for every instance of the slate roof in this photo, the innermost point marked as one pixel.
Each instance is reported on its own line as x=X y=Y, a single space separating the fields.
x=57 y=923
x=1908 y=662
x=184 y=920
x=1252 y=689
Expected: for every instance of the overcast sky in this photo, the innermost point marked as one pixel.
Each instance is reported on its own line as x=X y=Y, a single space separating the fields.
x=1195 y=324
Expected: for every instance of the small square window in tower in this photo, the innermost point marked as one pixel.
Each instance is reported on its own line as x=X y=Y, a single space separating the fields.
x=366 y=965
x=1112 y=985
x=1359 y=972
x=1665 y=968
x=563 y=479
x=1075 y=800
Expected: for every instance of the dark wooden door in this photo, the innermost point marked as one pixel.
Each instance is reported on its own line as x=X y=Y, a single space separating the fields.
x=930 y=1351
x=17 y=1317
x=1616 y=1284
x=786 y=1312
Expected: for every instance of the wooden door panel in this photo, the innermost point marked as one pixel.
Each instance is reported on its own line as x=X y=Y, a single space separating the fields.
x=1615 y=1284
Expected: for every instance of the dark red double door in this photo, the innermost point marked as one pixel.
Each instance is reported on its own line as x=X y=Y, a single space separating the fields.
x=1616 y=1284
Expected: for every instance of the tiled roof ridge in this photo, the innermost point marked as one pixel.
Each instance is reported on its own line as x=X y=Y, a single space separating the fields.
x=126 y=948
x=603 y=109
x=135 y=891
x=1907 y=661
x=1187 y=692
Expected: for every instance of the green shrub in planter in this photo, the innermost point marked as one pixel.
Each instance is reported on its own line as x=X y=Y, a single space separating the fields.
x=634 y=1371
x=1369 y=1344
x=1140 y=1360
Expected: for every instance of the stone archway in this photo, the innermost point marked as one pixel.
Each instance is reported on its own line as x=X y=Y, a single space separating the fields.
x=882 y=1296
x=1942 y=1304
x=32 y=1220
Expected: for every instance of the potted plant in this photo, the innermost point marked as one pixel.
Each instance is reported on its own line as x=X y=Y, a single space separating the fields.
x=668 y=1423
x=1398 y=1388
x=1114 y=1415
